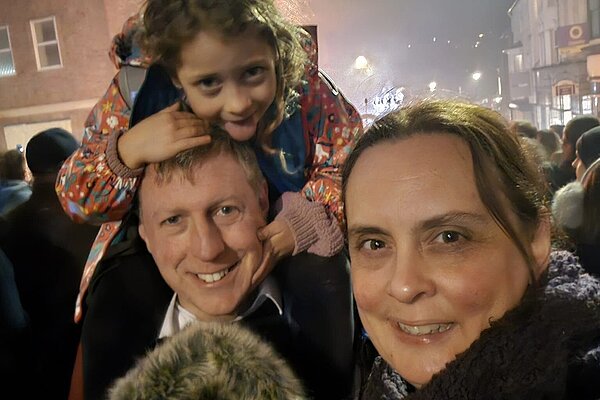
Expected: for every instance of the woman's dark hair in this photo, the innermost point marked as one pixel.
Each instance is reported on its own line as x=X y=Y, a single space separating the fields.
x=574 y=129
x=590 y=230
x=499 y=162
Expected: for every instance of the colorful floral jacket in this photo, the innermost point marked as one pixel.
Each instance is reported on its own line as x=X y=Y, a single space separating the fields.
x=91 y=191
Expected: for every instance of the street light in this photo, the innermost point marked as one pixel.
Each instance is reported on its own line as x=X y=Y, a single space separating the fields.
x=476 y=75
x=432 y=86
x=361 y=62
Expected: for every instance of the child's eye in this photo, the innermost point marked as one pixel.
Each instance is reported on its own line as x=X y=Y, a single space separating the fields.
x=372 y=245
x=208 y=84
x=255 y=73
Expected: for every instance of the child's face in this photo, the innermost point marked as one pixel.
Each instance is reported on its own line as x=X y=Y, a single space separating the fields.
x=229 y=81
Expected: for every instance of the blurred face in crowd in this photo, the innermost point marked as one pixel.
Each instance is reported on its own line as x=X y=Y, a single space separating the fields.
x=229 y=81
x=579 y=167
x=430 y=266
x=202 y=234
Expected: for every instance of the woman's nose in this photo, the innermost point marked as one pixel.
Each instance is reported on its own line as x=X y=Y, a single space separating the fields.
x=409 y=281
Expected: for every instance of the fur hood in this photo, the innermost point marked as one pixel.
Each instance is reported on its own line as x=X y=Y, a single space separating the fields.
x=546 y=348
x=210 y=361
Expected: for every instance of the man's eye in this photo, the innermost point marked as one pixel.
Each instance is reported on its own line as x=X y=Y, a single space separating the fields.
x=226 y=211
x=449 y=237
x=373 y=244
x=175 y=219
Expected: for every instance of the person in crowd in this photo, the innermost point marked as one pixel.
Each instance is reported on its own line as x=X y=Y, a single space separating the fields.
x=524 y=129
x=550 y=141
x=211 y=361
x=564 y=172
x=240 y=66
x=14 y=324
x=556 y=157
x=576 y=206
x=48 y=252
x=452 y=270
x=14 y=189
x=196 y=258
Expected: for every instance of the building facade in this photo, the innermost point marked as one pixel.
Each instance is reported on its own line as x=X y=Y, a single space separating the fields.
x=552 y=60
x=54 y=63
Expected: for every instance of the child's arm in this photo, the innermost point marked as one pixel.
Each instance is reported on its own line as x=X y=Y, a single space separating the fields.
x=98 y=182
x=87 y=188
x=315 y=216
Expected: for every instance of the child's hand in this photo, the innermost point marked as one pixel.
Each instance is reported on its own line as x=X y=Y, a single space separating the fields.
x=278 y=242
x=161 y=136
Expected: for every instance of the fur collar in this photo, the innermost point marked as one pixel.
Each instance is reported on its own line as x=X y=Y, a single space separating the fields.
x=546 y=348
x=210 y=361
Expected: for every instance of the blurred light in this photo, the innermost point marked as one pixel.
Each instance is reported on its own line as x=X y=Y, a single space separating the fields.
x=497 y=100
x=448 y=42
x=432 y=86
x=512 y=106
x=481 y=35
x=434 y=38
x=409 y=46
x=476 y=75
x=361 y=62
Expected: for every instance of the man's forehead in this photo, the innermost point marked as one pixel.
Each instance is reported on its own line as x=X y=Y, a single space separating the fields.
x=218 y=176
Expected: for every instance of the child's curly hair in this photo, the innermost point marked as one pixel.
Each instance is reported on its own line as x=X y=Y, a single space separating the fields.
x=170 y=24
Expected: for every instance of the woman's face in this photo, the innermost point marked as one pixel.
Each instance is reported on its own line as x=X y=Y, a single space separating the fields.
x=430 y=266
x=229 y=81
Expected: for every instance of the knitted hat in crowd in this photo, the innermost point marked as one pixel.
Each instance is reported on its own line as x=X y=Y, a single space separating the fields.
x=588 y=146
x=46 y=151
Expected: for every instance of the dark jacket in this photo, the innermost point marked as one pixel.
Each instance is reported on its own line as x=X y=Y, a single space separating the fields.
x=13 y=193
x=48 y=252
x=546 y=348
x=128 y=299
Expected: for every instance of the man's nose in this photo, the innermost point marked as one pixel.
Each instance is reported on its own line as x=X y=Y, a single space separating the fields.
x=206 y=241
x=409 y=281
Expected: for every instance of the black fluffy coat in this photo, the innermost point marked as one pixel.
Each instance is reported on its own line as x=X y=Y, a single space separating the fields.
x=546 y=348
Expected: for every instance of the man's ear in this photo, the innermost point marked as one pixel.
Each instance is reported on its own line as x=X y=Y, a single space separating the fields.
x=263 y=198
x=541 y=245
x=142 y=231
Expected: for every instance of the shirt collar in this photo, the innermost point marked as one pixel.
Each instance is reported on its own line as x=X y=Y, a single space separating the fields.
x=177 y=317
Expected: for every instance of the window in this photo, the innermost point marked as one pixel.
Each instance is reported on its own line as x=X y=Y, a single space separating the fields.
x=7 y=64
x=518 y=65
x=594 y=17
x=45 y=43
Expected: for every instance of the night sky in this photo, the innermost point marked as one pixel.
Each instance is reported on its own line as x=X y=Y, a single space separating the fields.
x=382 y=30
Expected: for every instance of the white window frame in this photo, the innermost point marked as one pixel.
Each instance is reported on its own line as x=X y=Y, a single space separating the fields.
x=37 y=45
x=8 y=50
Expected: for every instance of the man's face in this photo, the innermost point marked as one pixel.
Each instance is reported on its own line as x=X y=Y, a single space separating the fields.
x=202 y=235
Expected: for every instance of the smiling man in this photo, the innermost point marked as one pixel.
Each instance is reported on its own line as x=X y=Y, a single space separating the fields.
x=199 y=214
x=194 y=255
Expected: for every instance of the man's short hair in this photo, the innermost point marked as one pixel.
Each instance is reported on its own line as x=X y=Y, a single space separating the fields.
x=186 y=161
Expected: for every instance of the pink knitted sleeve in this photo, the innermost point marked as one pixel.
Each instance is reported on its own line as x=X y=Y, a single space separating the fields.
x=314 y=231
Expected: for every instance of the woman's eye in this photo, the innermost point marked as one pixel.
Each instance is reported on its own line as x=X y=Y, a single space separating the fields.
x=449 y=237
x=373 y=244
x=175 y=219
